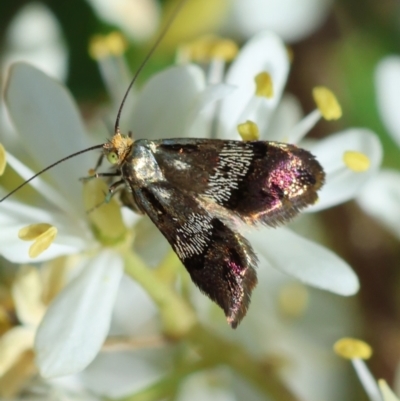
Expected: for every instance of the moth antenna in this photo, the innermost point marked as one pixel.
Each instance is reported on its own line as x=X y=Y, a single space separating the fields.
x=49 y=167
x=160 y=37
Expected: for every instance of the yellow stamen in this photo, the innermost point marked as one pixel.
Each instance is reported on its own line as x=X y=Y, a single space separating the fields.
x=351 y=348
x=264 y=85
x=249 y=131
x=356 y=161
x=210 y=47
x=327 y=103
x=117 y=43
x=3 y=161
x=98 y=48
x=387 y=393
x=103 y=46
x=42 y=234
x=293 y=300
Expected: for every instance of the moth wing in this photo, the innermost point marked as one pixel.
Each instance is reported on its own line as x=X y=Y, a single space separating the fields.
x=219 y=260
x=267 y=182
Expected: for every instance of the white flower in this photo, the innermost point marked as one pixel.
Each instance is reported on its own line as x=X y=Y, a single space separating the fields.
x=381 y=196
x=293 y=20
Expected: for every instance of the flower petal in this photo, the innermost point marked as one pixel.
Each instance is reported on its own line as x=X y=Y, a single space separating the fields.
x=27 y=294
x=77 y=322
x=72 y=236
x=343 y=184
x=380 y=198
x=387 y=84
x=50 y=127
x=119 y=374
x=166 y=101
x=264 y=53
x=309 y=262
x=291 y=19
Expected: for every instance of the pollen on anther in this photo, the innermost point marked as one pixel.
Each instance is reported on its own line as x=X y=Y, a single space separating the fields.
x=327 y=103
x=116 y=43
x=210 y=47
x=356 y=161
x=101 y=46
x=352 y=348
x=3 y=160
x=42 y=235
x=249 y=131
x=264 y=85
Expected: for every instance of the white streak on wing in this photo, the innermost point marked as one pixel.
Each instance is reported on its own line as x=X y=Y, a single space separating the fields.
x=193 y=237
x=234 y=162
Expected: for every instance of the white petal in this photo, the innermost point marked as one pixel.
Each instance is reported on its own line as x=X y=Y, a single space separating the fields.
x=46 y=190
x=27 y=291
x=72 y=236
x=309 y=262
x=119 y=374
x=138 y=19
x=343 y=184
x=34 y=35
x=201 y=119
x=77 y=322
x=387 y=85
x=166 y=101
x=291 y=19
x=286 y=116
x=49 y=124
x=264 y=53
x=380 y=198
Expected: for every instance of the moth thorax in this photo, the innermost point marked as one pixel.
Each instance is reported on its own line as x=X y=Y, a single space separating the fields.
x=144 y=165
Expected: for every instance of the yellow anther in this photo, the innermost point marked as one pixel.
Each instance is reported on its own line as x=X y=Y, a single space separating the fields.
x=386 y=391
x=264 y=85
x=210 y=47
x=3 y=161
x=293 y=300
x=249 y=131
x=351 y=348
x=103 y=46
x=98 y=47
x=42 y=234
x=356 y=161
x=327 y=103
x=116 y=43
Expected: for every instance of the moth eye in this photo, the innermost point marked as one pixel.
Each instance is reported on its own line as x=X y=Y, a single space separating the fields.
x=112 y=158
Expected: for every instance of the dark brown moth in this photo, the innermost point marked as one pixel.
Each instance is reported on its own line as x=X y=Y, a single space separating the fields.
x=198 y=192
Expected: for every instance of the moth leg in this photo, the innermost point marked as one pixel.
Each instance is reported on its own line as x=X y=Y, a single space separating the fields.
x=99 y=162
x=112 y=190
x=99 y=175
x=107 y=198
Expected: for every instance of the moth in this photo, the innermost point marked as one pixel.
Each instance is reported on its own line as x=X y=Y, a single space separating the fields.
x=199 y=192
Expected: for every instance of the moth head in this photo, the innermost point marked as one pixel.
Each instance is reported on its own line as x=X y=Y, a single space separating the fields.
x=118 y=149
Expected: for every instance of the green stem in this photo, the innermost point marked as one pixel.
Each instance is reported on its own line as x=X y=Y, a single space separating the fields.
x=177 y=315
